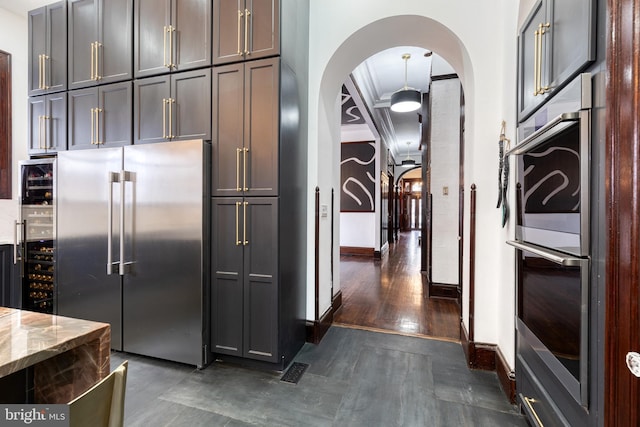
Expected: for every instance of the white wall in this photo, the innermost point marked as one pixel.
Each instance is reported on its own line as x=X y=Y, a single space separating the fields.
x=445 y=161
x=13 y=40
x=480 y=45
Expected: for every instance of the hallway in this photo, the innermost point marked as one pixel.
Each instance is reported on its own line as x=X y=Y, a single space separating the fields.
x=392 y=295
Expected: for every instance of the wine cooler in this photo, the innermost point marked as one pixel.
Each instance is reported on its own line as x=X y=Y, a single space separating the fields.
x=35 y=235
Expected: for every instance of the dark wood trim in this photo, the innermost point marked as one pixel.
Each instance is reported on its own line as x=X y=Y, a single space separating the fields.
x=316 y=330
x=472 y=261
x=506 y=376
x=383 y=250
x=317 y=256
x=444 y=77
x=488 y=357
x=622 y=179
x=442 y=290
x=357 y=251
x=336 y=301
x=5 y=125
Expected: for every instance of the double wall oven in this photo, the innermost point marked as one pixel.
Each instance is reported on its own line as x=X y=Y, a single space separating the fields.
x=553 y=248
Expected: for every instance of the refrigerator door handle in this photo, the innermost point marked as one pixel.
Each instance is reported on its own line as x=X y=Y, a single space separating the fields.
x=113 y=178
x=124 y=267
x=16 y=258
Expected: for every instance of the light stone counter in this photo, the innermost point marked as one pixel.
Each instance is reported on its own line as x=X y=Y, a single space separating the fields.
x=67 y=355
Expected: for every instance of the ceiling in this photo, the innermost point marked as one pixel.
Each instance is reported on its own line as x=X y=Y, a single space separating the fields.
x=375 y=80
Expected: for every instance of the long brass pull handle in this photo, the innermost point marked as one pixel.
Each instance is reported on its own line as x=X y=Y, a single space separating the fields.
x=238 y=188
x=93 y=61
x=164 y=118
x=98 y=133
x=40 y=71
x=93 y=126
x=535 y=63
x=45 y=86
x=40 y=132
x=529 y=401
x=171 y=30
x=164 y=46
x=238 y=242
x=542 y=89
x=97 y=75
x=46 y=132
x=246 y=32
x=240 y=15
x=244 y=225
x=244 y=169
x=170 y=102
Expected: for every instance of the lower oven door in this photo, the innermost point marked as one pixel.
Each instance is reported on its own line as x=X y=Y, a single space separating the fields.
x=552 y=312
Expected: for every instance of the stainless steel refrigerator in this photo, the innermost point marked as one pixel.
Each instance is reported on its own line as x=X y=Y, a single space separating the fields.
x=133 y=245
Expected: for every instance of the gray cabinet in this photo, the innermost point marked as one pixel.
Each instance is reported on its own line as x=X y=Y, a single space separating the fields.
x=245 y=29
x=245 y=277
x=100 y=41
x=100 y=116
x=47 y=123
x=555 y=43
x=171 y=35
x=246 y=117
x=47 y=60
x=173 y=107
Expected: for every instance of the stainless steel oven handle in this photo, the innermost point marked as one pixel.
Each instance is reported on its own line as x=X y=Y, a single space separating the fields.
x=548 y=254
x=540 y=136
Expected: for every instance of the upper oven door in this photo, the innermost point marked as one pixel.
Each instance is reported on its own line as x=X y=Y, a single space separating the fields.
x=553 y=185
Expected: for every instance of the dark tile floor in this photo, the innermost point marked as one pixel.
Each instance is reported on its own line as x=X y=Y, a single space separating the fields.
x=354 y=378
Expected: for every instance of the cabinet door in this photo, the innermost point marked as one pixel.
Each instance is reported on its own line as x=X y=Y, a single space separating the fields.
x=56 y=64
x=114 y=124
x=191 y=111
x=228 y=27
x=261 y=126
x=37 y=48
x=37 y=112
x=261 y=279
x=150 y=111
x=82 y=18
x=56 y=122
x=571 y=37
x=152 y=18
x=82 y=119
x=263 y=32
x=227 y=281
x=228 y=130
x=528 y=65
x=191 y=40
x=115 y=34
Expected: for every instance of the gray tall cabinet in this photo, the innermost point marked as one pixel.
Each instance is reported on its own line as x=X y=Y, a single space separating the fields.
x=232 y=72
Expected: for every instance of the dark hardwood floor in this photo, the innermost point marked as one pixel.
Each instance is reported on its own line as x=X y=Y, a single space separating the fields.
x=392 y=295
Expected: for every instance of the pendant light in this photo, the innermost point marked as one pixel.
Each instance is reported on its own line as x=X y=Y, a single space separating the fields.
x=408 y=161
x=406 y=99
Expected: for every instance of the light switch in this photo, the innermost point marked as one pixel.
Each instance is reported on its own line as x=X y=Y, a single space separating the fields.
x=324 y=211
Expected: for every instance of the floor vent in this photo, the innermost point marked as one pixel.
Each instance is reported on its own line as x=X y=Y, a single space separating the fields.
x=294 y=373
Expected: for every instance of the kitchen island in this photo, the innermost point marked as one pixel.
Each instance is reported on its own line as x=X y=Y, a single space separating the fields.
x=57 y=358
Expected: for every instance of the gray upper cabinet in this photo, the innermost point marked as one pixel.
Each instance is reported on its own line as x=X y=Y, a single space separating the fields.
x=171 y=35
x=555 y=43
x=47 y=68
x=173 y=107
x=100 y=41
x=48 y=123
x=245 y=29
x=245 y=135
x=100 y=116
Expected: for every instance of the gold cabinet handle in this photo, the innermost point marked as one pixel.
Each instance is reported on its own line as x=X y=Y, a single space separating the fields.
x=171 y=101
x=542 y=89
x=40 y=120
x=535 y=63
x=238 y=188
x=238 y=241
x=164 y=46
x=169 y=33
x=39 y=72
x=97 y=75
x=244 y=224
x=46 y=132
x=98 y=139
x=244 y=169
x=93 y=61
x=164 y=118
x=530 y=401
x=93 y=117
x=240 y=15
x=44 y=72
x=246 y=32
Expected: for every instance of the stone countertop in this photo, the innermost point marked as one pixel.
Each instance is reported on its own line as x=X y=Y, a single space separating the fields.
x=28 y=338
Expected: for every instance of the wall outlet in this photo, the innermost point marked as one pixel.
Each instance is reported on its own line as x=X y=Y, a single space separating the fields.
x=445 y=191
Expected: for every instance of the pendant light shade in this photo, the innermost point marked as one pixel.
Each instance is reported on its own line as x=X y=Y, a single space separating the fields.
x=406 y=99
x=408 y=161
